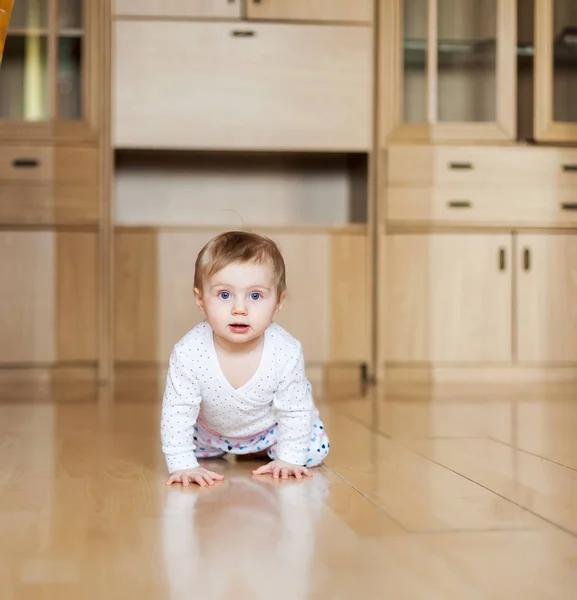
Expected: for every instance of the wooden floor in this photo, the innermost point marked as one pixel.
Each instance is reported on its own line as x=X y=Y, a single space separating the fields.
x=467 y=493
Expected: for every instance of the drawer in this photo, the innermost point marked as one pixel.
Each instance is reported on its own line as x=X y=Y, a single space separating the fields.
x=45 y=204
x=223 y=9
x=257 y=86
x=20 y=163
x=476 y=206
x=481 y=165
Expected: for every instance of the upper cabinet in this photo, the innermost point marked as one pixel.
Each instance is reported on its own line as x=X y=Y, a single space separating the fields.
x=45 y=79
x=555 y=115
x=241 y=86
x=203 y=9
x=351 y=11
x=448 y=68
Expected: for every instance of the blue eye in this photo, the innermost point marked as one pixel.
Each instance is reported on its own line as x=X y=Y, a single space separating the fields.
x=224 y=295
x=255 y=296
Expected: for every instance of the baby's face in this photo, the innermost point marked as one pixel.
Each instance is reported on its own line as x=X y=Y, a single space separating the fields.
x=240 y=301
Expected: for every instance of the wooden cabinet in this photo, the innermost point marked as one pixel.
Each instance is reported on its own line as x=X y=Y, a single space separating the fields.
x=546 y=315
x=154 y=306
x=453 y=66
x=48 y=305
x=352 y=11
x=555 y=82
x=215 y=9
x=49 y=70
x=218 y=86
x=448 y=298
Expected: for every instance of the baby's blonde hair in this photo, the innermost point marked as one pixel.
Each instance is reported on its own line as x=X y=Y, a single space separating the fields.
x=239 y=247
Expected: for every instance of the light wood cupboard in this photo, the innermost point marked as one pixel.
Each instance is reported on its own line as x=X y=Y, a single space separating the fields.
x=50 y=69
x=546 y=314
x=208 y=9
x=448 y=298
x=352 y=11
x=48 y=305
x=555 y=83
x=217 y=86
x=449 y=67
x=326 y=306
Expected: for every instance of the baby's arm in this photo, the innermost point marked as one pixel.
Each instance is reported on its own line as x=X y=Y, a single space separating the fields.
x=294 y=405
x=180 y=408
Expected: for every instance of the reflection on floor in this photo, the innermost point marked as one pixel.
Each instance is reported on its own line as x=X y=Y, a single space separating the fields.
x=463 y=493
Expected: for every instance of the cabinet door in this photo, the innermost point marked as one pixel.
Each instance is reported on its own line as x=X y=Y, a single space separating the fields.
x=48 y=304
x=234 y=87
x=448 y=298
x=547 y=298
x=353 y=11
x=555 y=81
x=49 y=58
x=457 y=69
x=215 y=9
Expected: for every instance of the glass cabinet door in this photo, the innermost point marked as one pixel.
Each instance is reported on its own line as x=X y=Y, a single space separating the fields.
x=42 y=74
x=556 y=70
x=455 y=63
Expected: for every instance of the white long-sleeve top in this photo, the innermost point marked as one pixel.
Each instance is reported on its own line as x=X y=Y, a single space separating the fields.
x=196 y=389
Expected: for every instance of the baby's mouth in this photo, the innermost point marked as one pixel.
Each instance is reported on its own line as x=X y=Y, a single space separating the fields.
x=239 y=327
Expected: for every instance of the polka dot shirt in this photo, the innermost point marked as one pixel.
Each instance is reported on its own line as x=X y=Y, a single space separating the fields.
x=196 y=390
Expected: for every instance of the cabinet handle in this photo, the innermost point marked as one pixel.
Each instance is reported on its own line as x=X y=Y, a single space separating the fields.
x=245 y=34
x=501 y=259
x=459 y=204
x=526 y=259
x=461 y=166
x=569 y=168
x=25 y=163
x=569 y=206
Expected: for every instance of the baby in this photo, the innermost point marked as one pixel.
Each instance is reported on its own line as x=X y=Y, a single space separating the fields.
x=236 y=382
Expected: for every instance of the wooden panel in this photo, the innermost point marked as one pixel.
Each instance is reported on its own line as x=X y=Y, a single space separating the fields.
x=360 y=11
x=326 y=306
x=547 y=298
x=447 y=299
x=255 y=87
x=27 y=301
x=136 y=297
x=349 y=331
x=178 y=8
x=483 y=206
x=76 y=296
x=478 y=165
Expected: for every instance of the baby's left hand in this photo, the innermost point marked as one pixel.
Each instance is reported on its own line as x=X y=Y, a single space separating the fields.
x=283 y=469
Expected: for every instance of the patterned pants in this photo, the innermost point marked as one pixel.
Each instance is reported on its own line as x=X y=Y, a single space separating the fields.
x=210 y=444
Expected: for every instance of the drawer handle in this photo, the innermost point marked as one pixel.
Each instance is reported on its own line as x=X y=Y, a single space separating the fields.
x=526 y=259
x=459 y=204
x=569 y=168
x=461 y=166
x=25 y=163
x=569 y=206
x=244 y=34
x=501 y=259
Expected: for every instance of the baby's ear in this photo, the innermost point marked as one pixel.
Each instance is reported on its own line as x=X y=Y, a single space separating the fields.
x=280 y=303
x=198 y=298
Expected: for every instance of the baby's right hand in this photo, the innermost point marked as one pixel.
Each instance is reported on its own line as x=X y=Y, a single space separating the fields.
x=202 y=477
